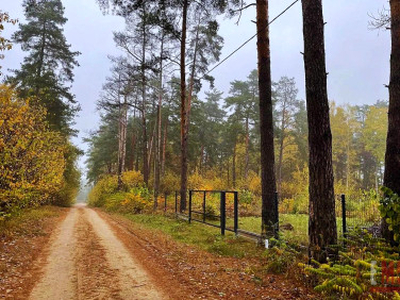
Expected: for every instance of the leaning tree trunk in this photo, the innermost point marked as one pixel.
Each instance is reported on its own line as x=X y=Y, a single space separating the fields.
x=268 y=184
x=322 y=220
x=392 y=156
x=184 y=141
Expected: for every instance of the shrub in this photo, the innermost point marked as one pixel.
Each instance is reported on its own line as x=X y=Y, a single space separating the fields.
x=129 y=202
x=195 y=181
x=102 y=189
x=286 y=206
x=390 y=210
x=349 y=276
x=170 y=183
x=255 y=184
x=134 y=197
x=132 y=179
x=32 y=159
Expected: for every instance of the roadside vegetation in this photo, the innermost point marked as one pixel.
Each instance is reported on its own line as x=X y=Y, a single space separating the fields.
x=37 y=157
x=260 y=140
x=33 y=158
x=346 y=274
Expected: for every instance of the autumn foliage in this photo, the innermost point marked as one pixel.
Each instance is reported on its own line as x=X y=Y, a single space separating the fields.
x=32 y=157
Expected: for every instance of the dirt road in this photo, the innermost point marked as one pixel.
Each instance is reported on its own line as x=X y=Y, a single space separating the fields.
x=86 y=260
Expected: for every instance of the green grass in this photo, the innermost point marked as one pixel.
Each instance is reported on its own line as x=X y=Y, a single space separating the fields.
x=205 y=237
x=299 y=235
x=209 y=238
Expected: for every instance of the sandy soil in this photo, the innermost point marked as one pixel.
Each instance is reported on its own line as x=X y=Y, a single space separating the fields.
x=89 y=254
x=87 y=261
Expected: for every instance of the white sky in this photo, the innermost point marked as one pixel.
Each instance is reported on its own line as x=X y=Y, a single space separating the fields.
x=357 y=58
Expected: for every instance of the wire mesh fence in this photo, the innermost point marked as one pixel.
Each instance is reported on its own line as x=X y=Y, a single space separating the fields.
x=351 y=213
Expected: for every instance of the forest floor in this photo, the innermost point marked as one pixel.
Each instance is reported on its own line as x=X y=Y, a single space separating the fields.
x=82 y=253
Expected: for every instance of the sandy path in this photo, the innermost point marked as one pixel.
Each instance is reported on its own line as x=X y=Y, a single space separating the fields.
x=59 y=280
x=87 y=261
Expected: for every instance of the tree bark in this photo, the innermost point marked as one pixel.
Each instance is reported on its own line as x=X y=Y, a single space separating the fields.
x=201 y=159
x=132 y=158
x=144 y=82
x=157 y=161
x=281 y=146
x=234 y=165
x=184 y=164
x=145 y=146
x=322 y=220
x=247 y=158
x=392 y=155
x=164 y=147
x=122 y=129
x=270 y=219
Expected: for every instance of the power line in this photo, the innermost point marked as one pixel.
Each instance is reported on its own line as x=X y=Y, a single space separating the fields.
x=248 y=40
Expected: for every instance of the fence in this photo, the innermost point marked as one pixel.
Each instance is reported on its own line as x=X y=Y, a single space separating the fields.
x=358 y=212
x=223 y=210
x=219 y=209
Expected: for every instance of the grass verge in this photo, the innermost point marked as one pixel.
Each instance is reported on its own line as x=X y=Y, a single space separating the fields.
x=28 y=222
x=205 y=237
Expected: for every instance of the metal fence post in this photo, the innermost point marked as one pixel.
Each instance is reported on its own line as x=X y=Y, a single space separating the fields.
x=343 y=197
x=204 y=206
x=190 y=206
x=222 y=213
x=235 y=213
x=176 y=202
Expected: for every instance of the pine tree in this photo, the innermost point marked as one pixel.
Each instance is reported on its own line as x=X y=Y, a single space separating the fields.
x=270 y=217
x=322 y=222
x=392 y=156
x=47 y=71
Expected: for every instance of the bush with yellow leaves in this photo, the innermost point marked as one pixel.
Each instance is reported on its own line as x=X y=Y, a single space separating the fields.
x=134 y=196
x=31 y=155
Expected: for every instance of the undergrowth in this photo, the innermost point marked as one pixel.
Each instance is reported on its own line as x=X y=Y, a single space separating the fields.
x=366 y=268
x=203 y=237
x=27 y=221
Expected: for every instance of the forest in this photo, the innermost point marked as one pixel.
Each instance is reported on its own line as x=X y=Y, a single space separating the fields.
x=166 y=129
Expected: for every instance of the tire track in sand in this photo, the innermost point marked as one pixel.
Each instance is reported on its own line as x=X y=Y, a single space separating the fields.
x=134 y=282
x=87 y=261
x=59 y=279
x=96 y=278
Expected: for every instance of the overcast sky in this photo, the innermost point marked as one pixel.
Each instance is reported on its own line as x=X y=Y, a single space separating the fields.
x=357 y=57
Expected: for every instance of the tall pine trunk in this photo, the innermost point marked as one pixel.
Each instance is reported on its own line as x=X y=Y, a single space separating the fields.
x=146 y=170
x=247 y=158
x=322 y=220
x=281 y=147
x=164 y=146
x=234 y=165
x=392 y=155
x=184 y=163
x=270 y=217
x=122 y=130
x=157 y=161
